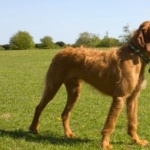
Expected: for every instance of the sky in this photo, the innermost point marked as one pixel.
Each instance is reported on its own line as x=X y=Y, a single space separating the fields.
x=64 y=20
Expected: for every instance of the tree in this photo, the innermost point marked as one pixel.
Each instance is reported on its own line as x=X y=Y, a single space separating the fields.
x=126 y=36
x=21 y=40
x=114 y=42
x=6 y=46
x=108 y=41
x=105 y=42
x=60 y=44
x=1 y=48
x=47 y=42
x=87 y=39
x=38 y=45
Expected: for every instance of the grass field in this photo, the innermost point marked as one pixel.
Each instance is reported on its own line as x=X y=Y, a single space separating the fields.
x=21 y=84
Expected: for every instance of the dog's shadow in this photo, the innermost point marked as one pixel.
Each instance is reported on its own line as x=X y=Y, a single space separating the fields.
x=51 y=137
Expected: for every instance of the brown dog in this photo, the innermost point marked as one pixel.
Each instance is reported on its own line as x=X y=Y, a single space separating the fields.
x=117 y=73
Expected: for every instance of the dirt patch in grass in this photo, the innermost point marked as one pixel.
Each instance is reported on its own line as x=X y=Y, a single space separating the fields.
x=5 y=116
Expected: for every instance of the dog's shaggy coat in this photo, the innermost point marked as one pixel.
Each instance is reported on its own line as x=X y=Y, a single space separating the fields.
x=117 y=73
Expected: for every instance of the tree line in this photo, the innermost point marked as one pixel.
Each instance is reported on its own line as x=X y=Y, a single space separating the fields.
x=22 y=40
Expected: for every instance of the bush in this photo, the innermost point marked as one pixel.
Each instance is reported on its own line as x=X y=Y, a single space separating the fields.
x=60 y=44
x=21 y=40
x=6 y=46
x=1 y=48
x=38 y=45
x=87 y=40
x=47 y=42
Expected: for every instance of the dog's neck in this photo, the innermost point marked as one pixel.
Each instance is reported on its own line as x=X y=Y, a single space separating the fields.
x=139 y=53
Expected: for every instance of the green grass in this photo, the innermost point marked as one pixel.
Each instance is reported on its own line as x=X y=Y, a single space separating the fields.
x=21 y=84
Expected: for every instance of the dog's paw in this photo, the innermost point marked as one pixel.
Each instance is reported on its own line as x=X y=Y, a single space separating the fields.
x=70 y=135
x=106 y=146
x=33 y=130
x=142 y=142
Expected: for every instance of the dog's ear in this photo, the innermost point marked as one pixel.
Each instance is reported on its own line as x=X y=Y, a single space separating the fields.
x=144 y=35
x=141 y=37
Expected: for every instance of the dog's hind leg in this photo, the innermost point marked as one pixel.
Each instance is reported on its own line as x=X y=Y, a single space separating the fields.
x=132 y=119
x=73 y=86
x=50 y=90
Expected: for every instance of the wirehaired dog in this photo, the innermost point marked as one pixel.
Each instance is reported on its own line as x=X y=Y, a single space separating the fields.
x=117 y=73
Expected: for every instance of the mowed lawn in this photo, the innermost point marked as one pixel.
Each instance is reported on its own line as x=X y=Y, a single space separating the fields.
x=21 y=85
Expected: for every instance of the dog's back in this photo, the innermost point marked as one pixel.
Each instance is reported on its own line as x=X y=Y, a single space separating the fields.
x=76 y=62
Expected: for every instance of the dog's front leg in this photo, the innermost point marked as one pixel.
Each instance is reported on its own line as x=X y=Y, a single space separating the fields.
x=114 y=112
x=132 y=119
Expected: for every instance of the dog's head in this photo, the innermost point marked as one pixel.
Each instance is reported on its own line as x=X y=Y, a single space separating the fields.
x=141 y=37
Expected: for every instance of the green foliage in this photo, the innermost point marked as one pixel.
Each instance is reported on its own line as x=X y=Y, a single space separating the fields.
x=21 y=84
x=105 y=42
x=1 y=48
x=109 y=42
x=47 y=42
x=114 y=42
x=38 y=45
x=6 y=46
x=60 y=44
x=126 y=36
x=91 y=40
x=87 y=40
x=22 y=40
